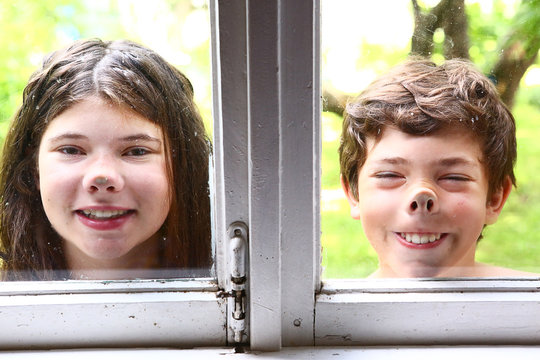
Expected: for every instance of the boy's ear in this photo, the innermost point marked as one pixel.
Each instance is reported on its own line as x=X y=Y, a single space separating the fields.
x=353 y=202
x=496 y=202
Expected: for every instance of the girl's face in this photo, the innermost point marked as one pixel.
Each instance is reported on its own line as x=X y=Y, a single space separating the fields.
x=103 y=181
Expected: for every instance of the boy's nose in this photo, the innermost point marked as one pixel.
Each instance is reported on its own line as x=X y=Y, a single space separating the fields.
x=424 y=201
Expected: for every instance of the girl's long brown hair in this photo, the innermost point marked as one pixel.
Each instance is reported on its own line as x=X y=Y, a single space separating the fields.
x=122 y=73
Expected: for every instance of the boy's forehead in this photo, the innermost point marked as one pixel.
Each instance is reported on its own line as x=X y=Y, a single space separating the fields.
x=447 y=131
x=392 y=140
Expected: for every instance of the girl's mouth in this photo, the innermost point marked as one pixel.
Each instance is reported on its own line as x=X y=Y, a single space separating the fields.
x=103 y=214
x=104 y=220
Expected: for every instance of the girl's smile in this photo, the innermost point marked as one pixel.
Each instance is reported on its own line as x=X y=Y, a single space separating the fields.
x=107 y=218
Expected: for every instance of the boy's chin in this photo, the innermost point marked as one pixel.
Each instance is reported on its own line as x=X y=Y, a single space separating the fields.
x=417 y=271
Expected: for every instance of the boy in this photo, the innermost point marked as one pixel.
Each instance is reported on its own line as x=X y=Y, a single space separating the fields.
x=427 y=155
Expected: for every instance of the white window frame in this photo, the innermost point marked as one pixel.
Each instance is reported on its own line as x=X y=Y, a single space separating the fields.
x=266 y=65
x=268 y=95
x=179 y=313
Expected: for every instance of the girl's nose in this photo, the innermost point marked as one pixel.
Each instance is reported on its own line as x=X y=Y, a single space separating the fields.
x=103 y=177
x=423 y=201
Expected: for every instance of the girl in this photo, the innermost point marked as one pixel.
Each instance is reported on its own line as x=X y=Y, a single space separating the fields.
x=105 y=169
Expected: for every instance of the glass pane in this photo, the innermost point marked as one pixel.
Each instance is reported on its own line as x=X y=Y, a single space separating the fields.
x=362 y=41
x=116 y=155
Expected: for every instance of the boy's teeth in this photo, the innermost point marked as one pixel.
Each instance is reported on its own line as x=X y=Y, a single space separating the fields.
x=420 y=238
x=103 y=214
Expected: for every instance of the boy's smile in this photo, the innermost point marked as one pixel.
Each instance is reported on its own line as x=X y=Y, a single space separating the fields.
x=423 y=202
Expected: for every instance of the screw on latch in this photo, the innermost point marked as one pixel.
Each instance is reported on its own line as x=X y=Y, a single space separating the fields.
x=239 y=312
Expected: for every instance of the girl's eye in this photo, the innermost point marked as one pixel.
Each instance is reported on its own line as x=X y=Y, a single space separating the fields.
x=137 y=152
x=70 y=150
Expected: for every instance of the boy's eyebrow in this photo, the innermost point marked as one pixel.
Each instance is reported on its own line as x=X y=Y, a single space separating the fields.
x=456 y=161
x=451 y=161
x=393 y=160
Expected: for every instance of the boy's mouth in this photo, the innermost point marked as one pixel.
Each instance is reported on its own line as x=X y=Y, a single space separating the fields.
x=421 y=238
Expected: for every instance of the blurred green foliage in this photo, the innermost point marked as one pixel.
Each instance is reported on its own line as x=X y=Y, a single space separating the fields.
x=32 y=29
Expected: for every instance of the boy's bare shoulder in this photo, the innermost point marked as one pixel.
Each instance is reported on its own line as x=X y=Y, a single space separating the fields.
x=478 y=270
x=486 y=270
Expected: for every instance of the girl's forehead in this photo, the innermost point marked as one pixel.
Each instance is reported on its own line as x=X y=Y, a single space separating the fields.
x=98 y=117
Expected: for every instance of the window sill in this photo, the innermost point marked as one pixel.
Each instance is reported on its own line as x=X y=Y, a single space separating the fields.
x=413 y=353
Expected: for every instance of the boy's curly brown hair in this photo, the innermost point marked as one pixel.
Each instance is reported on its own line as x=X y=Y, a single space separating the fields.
x=419 y=97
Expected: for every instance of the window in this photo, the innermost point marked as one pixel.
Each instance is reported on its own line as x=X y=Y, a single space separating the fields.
x=267 y=142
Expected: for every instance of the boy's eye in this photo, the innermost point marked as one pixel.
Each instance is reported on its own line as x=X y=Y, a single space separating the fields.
x=387 y=175
x=388 y=179
x=455 y=177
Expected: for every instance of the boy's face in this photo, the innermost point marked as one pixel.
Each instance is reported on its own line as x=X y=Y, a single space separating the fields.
x=423 y=202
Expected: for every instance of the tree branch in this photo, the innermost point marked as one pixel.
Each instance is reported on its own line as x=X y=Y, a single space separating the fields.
x=510 y=68
x=448 y=15
x=334 y=101
x=519 y=52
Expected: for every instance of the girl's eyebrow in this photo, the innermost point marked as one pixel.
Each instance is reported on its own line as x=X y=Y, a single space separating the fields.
x=140 y=137
x=67 y=136
x=129 y=138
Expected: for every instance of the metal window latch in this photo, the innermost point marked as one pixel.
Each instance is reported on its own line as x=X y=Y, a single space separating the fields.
x=238 y=236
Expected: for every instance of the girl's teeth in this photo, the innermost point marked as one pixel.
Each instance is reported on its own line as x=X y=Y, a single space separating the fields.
x=420 y=238
x=103 y=214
